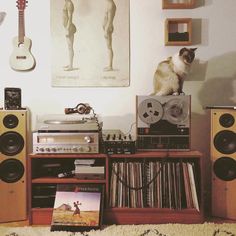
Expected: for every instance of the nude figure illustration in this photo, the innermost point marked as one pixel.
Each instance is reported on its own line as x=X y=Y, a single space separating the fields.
x=70 y=30
x=110 y=11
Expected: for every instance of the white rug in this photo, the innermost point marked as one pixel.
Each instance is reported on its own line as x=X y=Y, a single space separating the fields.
x=206 y=229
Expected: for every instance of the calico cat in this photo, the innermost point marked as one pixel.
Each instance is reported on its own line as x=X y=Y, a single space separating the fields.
x=170 y=74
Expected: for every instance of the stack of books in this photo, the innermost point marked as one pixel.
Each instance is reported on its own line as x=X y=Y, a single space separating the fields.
x=86 y=169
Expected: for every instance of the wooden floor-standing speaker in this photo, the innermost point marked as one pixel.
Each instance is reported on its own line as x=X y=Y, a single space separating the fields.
x=223 y=159
x=13 y=153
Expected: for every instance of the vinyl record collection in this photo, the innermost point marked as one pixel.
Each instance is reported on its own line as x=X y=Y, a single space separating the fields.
x=157 y=184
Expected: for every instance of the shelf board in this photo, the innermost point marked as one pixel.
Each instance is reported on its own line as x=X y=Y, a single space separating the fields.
x=130 y=216
x=51 y=180
x=152 y=216
x=139 y=154
x=168 y=4
x=68 y=155
x=160 y=154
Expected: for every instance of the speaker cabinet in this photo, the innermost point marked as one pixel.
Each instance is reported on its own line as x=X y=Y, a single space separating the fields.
x=223 y=159
x=13 y=153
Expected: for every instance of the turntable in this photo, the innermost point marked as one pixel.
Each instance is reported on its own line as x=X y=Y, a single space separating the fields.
x=163 y=122
x=61 y=122
x=67 y=134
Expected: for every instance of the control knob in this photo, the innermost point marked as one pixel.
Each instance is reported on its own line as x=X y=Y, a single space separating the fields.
x=87 y=139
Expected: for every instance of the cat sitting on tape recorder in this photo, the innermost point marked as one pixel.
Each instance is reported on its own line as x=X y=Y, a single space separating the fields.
x=171 y=73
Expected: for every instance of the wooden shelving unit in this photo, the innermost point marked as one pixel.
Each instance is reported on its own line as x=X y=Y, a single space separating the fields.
x=41 y=215
x=174 y=4
x=178 y=31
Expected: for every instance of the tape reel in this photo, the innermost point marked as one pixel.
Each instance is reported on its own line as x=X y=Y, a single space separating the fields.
x=150 y=111
x=175 y=111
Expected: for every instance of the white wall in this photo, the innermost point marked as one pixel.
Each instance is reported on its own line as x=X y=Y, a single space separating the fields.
x=212 y=80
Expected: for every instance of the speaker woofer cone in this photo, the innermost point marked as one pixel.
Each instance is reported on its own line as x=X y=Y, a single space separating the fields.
x=226 y=120
x=11 y=143
x=225 y=168
x=10 y=121
x=11 y=170
x=225 y=142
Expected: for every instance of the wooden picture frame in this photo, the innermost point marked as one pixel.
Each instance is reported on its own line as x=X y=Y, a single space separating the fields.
x=178 y=31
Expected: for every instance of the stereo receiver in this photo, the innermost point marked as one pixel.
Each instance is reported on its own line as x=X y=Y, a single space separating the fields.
x=67 y=134
x=69 y=142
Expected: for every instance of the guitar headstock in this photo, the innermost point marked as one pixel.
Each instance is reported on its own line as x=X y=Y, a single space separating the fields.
x=21 y=4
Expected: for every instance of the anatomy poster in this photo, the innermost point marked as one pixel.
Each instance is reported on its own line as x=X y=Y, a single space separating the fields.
x=90 y=43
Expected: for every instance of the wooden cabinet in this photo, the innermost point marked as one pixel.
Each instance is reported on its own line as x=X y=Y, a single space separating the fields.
x=43 y=170
x=178 y=4
x=178 y=31
x=40 y=211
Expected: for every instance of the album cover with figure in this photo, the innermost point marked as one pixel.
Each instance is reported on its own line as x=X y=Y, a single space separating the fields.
x=77 y=207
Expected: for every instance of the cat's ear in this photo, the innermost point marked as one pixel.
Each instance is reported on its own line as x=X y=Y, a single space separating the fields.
x=193 y=49
x=182 y=50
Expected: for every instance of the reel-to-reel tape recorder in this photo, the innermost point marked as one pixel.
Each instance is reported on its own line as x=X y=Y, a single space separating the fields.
x=163 y=122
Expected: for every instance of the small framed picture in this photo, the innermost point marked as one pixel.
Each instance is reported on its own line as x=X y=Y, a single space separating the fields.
x=77 y=207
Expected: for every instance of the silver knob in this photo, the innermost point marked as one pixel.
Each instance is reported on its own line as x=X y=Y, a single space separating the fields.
x=87 y=149
x=87 y=139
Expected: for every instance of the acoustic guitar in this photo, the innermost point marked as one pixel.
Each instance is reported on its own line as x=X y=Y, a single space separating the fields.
x=21 y=58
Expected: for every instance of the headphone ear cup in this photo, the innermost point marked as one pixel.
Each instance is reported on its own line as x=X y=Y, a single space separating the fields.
x=88 y=109
x=81 y=109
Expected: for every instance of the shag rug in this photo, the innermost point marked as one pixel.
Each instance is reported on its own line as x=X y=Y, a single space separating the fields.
x=206 y=229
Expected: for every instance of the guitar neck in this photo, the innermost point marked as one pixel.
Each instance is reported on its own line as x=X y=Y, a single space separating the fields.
x=21 y=26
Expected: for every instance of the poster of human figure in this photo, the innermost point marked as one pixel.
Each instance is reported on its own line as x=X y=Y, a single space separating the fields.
x=90 y=43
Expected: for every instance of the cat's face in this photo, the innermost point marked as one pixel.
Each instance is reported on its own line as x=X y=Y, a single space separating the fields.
x=187 y=55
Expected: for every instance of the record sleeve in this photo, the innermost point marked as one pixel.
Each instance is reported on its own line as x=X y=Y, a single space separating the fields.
x=77 y=207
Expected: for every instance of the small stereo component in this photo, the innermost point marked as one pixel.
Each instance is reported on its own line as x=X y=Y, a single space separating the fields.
x=65 y=142
x=12 y=98
x=43 y=195
x=116 y=142
x=163 y=122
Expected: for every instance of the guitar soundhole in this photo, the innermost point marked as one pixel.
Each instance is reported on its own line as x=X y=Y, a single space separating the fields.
x=21 y=44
